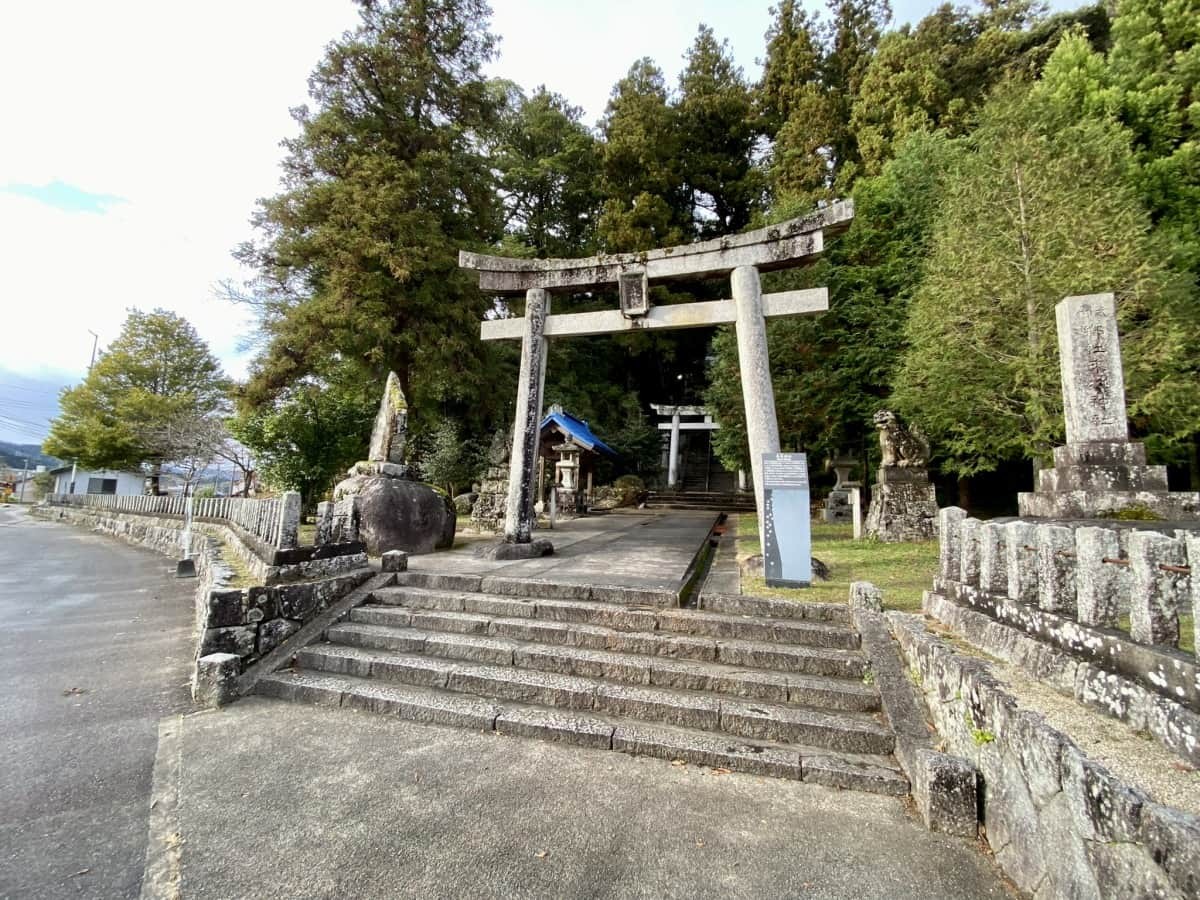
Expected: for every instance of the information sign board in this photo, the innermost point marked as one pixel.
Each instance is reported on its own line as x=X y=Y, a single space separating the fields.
x=787 y=527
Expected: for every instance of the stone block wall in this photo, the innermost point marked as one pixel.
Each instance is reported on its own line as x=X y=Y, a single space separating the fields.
x=251 y=622
x=246 y=622
x=1060 y=824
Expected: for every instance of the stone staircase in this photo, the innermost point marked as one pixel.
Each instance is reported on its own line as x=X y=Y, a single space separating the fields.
x=731 y=501
x=764 y=693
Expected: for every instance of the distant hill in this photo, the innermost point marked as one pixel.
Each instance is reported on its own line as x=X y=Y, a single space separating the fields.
x=14 y=455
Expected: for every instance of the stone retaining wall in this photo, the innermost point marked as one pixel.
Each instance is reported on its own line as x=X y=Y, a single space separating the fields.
x=1061 y=825
x=247 y=622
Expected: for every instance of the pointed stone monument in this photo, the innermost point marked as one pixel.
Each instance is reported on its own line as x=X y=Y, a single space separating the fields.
x=394 y=511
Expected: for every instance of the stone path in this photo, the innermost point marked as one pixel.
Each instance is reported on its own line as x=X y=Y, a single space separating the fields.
x=635 y=548
x=94 y=650
x=286 y=800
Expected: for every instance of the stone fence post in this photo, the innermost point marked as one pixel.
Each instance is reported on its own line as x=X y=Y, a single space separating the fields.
x=1056 y=569
x=968 y=563
x=289 y=520
x=1159 y=582
x=1021 y=561
x=950 y=541
x=993 y=558
x=1102 y=578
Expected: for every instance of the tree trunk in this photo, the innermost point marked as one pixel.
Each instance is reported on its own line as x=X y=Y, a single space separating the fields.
x=964 y=492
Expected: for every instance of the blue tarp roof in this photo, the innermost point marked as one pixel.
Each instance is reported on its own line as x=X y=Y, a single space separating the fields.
x=579 y=432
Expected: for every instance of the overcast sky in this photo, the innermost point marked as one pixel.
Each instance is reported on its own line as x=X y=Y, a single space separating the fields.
x=138 y=135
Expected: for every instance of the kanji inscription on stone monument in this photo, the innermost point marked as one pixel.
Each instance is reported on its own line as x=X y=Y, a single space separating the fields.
x=1092 y=384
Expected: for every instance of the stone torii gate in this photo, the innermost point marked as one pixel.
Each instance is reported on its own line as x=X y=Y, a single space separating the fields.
x=741 y=257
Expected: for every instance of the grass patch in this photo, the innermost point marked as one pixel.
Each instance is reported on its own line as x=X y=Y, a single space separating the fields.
x=902 y=571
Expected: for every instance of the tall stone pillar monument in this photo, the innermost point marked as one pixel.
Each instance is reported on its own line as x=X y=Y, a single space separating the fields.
x=1099 y=471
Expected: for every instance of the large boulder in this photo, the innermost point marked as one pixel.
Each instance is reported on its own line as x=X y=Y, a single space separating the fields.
x=400 y=514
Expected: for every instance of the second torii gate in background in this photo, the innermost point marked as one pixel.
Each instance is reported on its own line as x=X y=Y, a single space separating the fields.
x=741 y=257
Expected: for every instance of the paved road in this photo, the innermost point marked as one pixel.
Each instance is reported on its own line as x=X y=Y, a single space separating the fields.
x=276 y=799
x=94 y=647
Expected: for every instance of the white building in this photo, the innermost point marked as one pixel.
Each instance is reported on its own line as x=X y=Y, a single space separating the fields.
x=105 y=481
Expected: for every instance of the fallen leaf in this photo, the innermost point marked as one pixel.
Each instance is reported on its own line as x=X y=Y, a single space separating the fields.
x=679 y=762
x=699 y=843
x=74 y=691
x=542 y=854
x=80 y=872
x=721 y=770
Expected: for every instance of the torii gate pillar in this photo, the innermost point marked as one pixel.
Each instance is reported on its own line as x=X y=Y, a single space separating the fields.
x=758 y=394
x=518 y=511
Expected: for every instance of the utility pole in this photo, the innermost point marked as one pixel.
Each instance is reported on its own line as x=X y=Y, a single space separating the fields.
x=24 y=478
x=95 y=341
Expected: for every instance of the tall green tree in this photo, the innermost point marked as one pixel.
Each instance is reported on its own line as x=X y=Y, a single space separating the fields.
x=715 y=112
x=646 y=202
x=310 y=433
x=549 y=164
x=812 y=74
x=937 y=74
x=832 y=372
x=129 y=411
x=1040 y=207
x=1150 y=82
x=357 y=258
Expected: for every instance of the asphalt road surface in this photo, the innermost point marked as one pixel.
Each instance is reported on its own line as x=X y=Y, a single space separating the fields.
x=94 y=650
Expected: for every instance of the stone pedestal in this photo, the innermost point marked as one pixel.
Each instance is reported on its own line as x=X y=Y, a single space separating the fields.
x=1099 y=471
x=903 y=506
x=837 y=503
x=1098 y=478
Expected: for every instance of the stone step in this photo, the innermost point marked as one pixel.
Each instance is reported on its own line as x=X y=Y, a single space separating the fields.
x=874 y=773
x=590 y=668
x=508 y=611
x=775 y=608
x=501 y=586
x=462 y=633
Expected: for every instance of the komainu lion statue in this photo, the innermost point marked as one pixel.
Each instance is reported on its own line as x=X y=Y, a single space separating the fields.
x=903 y=446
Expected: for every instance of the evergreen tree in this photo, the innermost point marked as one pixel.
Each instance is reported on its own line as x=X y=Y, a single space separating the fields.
x=718 y=138
x=310 y=433
x=357 y=259
x=938 y=74
x=1040 y=208
x=832 y=372
x=811 y=76
x=549 y=164
x=646 y=203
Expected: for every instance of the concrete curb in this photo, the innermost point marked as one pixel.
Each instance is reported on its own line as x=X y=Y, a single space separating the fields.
x=162 y=873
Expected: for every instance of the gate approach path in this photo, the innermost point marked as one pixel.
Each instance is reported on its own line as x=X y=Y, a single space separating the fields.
x=94 y=650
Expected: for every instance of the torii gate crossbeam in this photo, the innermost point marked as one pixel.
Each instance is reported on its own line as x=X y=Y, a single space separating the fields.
x=741 y=257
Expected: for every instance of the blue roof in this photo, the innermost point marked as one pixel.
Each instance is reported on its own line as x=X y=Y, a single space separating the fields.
x=578 y=431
